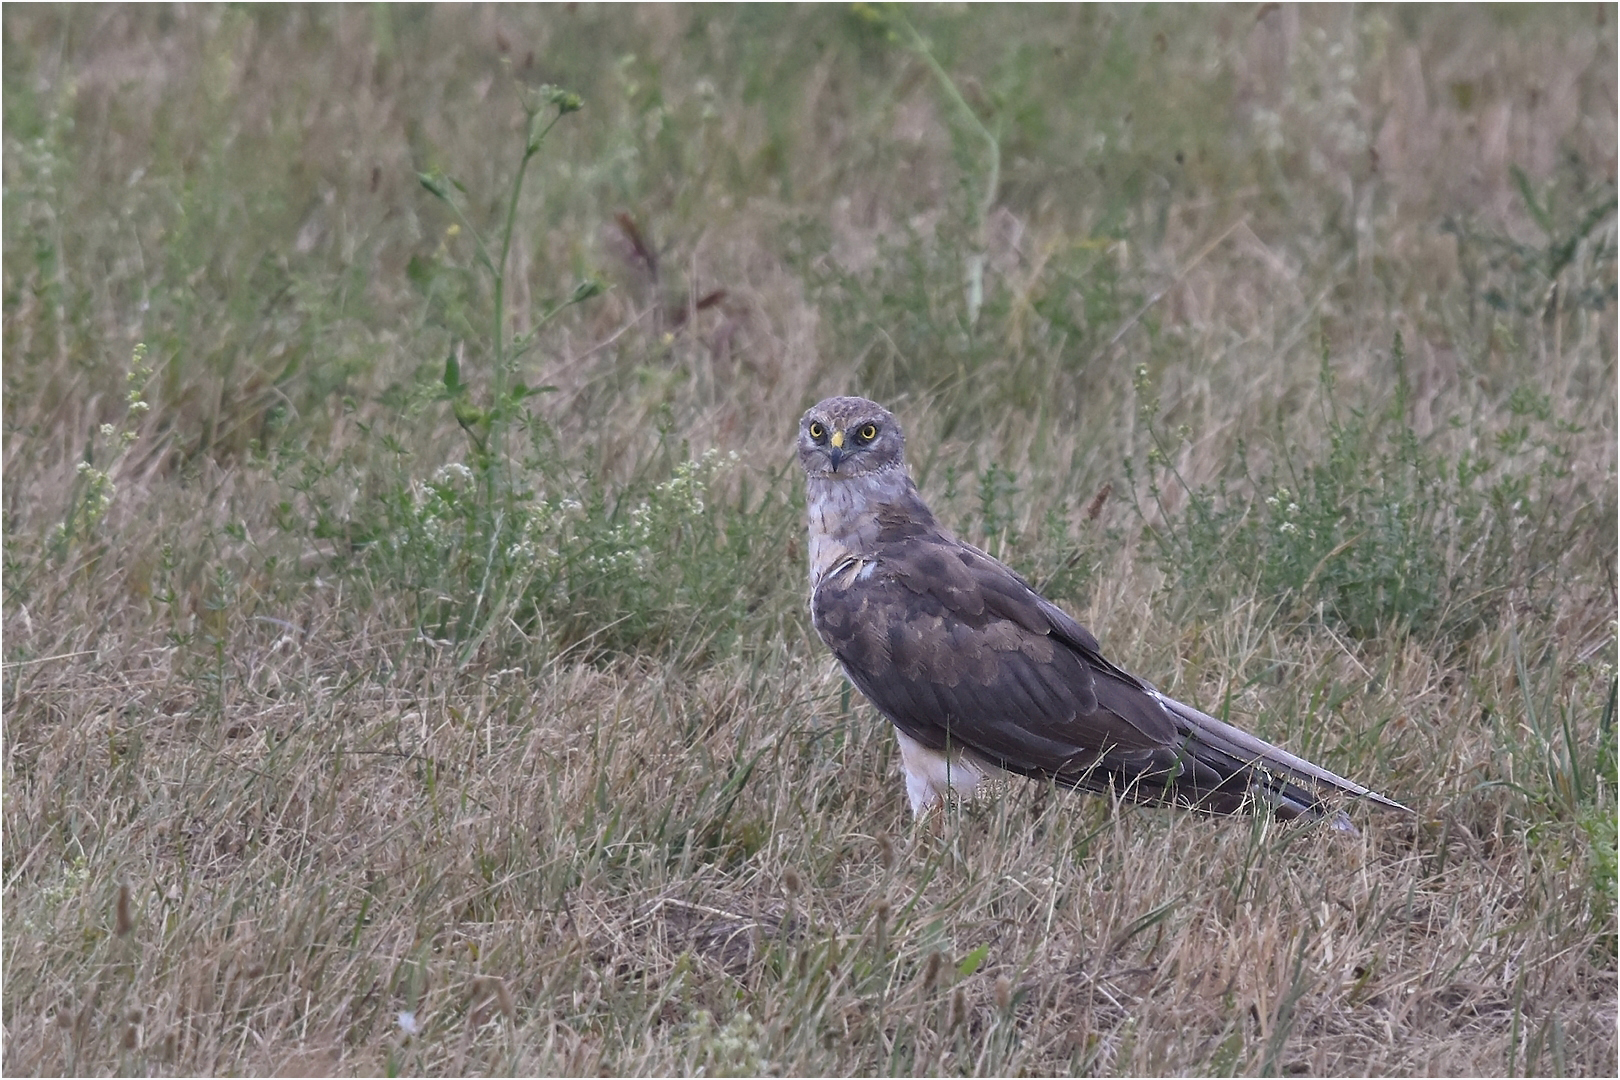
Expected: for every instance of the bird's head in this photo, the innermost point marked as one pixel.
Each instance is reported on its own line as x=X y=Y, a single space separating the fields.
x=845 y=438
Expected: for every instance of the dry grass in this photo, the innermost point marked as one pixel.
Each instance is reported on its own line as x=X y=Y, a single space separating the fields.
x=296 y=783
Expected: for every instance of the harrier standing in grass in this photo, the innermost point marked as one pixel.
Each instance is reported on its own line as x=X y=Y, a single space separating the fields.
x=979 y=672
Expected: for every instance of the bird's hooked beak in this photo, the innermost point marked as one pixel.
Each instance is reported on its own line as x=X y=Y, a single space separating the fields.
x=836 y=454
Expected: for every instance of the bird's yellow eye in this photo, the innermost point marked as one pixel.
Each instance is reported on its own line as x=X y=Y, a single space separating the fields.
x=817 y=432
x=867 y=433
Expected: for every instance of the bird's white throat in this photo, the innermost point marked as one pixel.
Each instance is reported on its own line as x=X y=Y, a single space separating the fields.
x=843 y=513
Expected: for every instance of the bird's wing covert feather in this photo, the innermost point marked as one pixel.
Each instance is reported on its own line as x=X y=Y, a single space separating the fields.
x=954 y=647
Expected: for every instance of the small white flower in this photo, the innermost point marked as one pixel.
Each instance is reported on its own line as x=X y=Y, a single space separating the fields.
x=408 y=1024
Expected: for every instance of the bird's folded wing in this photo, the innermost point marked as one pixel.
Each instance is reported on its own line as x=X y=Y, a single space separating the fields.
x=953 y=646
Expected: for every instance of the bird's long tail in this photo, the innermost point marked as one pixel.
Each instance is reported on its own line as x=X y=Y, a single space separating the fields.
x=1244 y=767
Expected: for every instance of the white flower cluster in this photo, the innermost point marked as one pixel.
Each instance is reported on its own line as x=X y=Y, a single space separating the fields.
x=555 y=537
x=99 y=488
x=1283 y=506
x=453 y=474
x=435 y=508
x=627 y=546
x=542 y=532
x=100 y=492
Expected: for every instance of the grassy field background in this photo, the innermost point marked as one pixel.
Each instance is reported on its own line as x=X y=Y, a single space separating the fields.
x=406 y=659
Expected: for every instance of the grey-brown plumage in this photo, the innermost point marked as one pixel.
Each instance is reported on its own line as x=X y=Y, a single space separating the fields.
x=979 y=672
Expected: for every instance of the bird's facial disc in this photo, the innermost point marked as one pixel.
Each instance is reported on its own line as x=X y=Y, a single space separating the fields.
x=844 y=437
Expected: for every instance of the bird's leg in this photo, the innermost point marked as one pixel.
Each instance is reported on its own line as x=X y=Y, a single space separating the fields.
x=928 y=805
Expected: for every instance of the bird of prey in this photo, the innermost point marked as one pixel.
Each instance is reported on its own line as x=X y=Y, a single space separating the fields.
x=978 y=672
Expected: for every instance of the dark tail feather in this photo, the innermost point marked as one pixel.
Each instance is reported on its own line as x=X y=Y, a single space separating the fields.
x=1230 y=765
